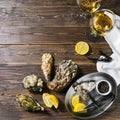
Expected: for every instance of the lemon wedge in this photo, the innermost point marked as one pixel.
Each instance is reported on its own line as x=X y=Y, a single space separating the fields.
x=55 y=101
x=50 y=100
x=81 y=48
x=47 y=100
x=76 y=104
x=80 y=107
x=74 y=99
x=71 y=97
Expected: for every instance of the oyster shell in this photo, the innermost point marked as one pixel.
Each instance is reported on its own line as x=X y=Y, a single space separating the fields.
x=28 y=103
x=47 y=64
x=65 y=73
x=33 y=83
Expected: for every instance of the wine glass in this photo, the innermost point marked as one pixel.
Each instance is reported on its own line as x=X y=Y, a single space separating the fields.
x=101 y=22
x=88 y=6
x=106 y=24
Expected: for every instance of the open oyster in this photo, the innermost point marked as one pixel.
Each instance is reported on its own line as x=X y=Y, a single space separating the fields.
x=47 y=64
x=83 y=88
x=33 y=83
x=29 y=103
x=65 y=73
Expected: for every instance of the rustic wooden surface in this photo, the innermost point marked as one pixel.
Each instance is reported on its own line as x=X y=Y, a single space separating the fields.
x=29 y=28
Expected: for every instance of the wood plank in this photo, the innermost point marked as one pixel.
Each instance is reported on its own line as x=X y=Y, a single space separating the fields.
x=44 y=16
x=18 y=3
x=31 y=54
x=4 y=3
x=49 y=35
x=41 y=16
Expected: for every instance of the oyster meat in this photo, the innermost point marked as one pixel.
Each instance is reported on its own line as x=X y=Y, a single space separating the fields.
x=65 y=73
x=33 y=83
x=29 y=103
x=47 y=64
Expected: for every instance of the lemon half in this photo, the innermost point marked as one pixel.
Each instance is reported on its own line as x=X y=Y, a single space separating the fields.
x=81 y=48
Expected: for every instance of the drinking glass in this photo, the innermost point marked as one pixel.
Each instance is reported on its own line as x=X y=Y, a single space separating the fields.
x=101 y=22
x=89 y=6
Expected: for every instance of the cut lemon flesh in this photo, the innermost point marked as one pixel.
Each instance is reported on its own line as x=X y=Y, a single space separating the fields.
x=80 y=107
x=82 y=48
x=75 y=100
x=54 y=101
x=47 y=100
x=50 y=100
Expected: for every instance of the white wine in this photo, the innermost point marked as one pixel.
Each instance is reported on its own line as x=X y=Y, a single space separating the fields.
x=101 y=23
x=89 y=6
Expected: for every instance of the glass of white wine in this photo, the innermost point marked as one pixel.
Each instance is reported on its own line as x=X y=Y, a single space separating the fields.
x=101 y=22
x=89 y=6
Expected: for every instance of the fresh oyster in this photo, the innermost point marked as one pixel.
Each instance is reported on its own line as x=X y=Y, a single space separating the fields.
x=65 y=73
x=83 y=88
x=88 y=85
x=28 y=103
x=82 y=92
x=33 y=83
x=47 y=64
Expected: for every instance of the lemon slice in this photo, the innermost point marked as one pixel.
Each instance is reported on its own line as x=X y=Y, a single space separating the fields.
x=80 y=107
x=50 y=100
x=82 y=48
x=74 y=100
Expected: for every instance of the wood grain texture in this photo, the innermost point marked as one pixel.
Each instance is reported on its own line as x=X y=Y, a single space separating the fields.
x=31 y=54
x=29 y=28
x=46 y=35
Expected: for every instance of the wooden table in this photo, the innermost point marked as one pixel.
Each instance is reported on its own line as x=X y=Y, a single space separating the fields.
x=29 y=28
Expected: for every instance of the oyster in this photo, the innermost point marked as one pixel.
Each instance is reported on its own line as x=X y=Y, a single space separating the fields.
x=65 y=73
x=83 y=88
x=82 y=93
x=33 y=83
x=47 y=64
x=28 y=103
